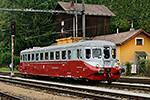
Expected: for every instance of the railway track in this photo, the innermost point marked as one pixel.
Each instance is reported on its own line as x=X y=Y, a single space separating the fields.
x=134 y=80
x=122 y=79
x=6 y=96
x=121 y=86
x=76 y=90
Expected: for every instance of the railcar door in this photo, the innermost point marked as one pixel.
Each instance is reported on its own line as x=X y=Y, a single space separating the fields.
x=25 y=63
x=79 y=67
x=63 y=68
x=71 y=63
x=56 y=65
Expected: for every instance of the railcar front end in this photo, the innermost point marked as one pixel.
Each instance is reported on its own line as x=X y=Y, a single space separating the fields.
x=102 y=63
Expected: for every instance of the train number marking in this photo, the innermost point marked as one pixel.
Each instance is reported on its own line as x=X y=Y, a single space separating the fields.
x=55 y=67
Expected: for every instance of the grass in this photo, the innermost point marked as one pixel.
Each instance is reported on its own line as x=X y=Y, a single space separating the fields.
x=6 y=69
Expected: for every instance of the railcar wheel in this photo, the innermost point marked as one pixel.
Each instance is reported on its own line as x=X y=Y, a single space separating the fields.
x=109 y=81
x=25 y=75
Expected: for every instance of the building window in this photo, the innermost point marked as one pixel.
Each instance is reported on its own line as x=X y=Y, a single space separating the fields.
x=139 y=41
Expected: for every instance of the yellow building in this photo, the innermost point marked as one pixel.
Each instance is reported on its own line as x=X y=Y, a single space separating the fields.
x=131 y=45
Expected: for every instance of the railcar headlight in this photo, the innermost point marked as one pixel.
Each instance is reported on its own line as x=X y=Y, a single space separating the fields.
x=100 y=71
x=116 y=65
x=97 y=65
x=121 y=70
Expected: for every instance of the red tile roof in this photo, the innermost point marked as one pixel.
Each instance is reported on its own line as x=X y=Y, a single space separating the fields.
x=121 y=38
x=90 y=9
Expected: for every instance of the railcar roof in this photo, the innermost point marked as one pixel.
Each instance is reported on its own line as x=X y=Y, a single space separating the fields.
x=88 y=43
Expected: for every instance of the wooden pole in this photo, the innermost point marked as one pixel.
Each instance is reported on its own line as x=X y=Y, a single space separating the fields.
x=83 y=19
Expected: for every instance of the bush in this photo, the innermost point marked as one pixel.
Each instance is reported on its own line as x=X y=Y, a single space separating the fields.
x=6 y=58
x=144 y=66
x=142 y=63
x=128 y=68
x=17 y=67
x=16 y=60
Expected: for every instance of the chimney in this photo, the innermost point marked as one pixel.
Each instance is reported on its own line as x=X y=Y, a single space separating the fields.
x=117 y=30
x=132 y=29
x=72 y=4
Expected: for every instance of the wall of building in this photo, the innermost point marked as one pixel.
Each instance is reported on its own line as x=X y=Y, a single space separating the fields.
x=126 y=52
x=94 y=25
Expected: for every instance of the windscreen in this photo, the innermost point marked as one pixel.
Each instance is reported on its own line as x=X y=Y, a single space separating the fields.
x=106 y=52
x=97 y=53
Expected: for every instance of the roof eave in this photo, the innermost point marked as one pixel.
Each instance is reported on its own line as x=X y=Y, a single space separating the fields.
x=135 y=36
x=118 y=44
x=101 y=15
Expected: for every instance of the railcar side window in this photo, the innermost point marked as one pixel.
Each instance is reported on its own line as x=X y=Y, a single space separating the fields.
x=28 y=57
x=106 y=52
x=63 y=54
x=97 y=54
x=25 y=57
x=20 y=57
x=69 y=54
x=79 y=55
x=32 y=56
x=46 y=56
x=88 y=53
x=41 y=56
x=57 y=55
x=113 y=53
x=51 y=55
x=37 y=56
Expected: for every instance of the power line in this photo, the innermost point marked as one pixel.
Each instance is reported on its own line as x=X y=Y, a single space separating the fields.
x=59 y=22
x=36 y=10
x=99 y=25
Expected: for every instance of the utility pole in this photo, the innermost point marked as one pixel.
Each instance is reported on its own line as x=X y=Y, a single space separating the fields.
x=76 y=24
x=73 y=29
x=83 y=19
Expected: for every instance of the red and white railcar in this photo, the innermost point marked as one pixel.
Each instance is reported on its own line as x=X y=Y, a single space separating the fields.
x=94 y=60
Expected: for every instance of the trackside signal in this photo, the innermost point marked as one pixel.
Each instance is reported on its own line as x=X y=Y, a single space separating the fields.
x=13 y=27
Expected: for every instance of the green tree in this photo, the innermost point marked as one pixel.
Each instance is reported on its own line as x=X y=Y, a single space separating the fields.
x=127 y=10
x=34 y=29
x=5 y=58
x=28 y=24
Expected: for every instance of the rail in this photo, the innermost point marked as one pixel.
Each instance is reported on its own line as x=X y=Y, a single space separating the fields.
x=83 y=91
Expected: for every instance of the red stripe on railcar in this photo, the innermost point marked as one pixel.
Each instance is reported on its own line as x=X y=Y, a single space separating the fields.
x=72 y=69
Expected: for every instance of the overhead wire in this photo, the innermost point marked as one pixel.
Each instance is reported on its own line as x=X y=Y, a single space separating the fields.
x=99 y=25
x=54 y=23
x=59 y=23
x=93 y=26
